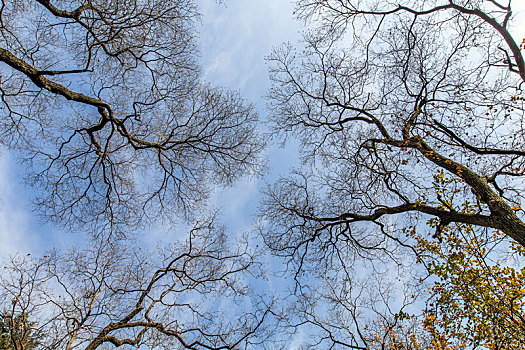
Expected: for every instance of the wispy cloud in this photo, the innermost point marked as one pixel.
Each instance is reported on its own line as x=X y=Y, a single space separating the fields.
x=15 y=233
x=237 y=36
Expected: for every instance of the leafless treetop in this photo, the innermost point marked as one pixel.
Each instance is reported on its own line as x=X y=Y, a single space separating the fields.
x=104 y=100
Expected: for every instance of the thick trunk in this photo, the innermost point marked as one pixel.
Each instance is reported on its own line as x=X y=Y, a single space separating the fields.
x=503 y=216
x=510 y=224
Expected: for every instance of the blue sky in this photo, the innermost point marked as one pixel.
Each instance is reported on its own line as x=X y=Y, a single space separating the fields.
x=234 y=39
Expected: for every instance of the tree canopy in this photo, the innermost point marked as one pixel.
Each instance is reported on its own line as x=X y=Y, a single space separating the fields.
x=383 y=97
x=105 y=102
x=16 y=333
x=402 y=228
x=121 y=295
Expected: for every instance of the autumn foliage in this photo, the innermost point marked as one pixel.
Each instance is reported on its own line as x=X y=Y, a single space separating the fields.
x=476 y=295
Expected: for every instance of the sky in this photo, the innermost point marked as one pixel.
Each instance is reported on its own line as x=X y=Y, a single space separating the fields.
x=235 y=37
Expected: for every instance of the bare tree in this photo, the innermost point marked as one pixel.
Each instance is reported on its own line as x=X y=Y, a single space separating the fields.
x=104 y=100
x=386 y=97
x=422 y=90
x=192 y=298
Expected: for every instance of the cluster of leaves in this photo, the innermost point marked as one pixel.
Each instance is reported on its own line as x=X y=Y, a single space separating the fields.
x=412 y=334
x=17 y=333
x=476 y=300
x=476 y=296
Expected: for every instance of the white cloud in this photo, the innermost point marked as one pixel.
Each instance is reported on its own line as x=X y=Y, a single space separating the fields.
x=237 y=204
x=518 y=23
x=14 y=230
x=237 y=36
x=21 y=230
